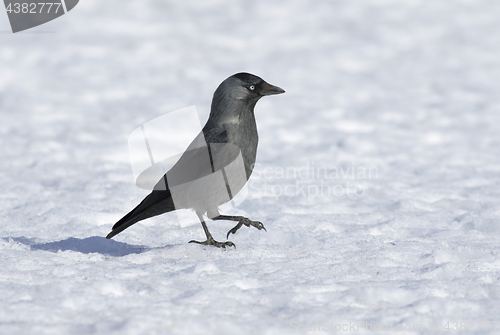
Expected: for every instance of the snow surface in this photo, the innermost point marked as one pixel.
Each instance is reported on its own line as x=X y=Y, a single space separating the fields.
x=405 y=94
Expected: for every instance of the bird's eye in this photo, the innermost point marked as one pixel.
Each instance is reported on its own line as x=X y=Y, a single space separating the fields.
x=252 y=87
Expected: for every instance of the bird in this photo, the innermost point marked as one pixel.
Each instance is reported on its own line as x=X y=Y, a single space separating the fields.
x=217 y=163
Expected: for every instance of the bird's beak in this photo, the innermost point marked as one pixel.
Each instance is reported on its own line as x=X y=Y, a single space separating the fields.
x=268 y=89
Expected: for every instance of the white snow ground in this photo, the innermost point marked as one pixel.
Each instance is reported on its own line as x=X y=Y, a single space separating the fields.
x=408 y=91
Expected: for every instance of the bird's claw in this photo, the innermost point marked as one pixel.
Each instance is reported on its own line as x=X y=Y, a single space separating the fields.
x=234 y=229
x=258 y=225
x=247 y=222
x=215 y=243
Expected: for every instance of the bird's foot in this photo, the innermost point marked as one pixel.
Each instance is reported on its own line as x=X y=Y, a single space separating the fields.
x=211 y=241
x=247 y=222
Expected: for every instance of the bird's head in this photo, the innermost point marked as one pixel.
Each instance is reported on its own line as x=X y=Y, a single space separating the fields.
x=237 y=94
x=246 y=87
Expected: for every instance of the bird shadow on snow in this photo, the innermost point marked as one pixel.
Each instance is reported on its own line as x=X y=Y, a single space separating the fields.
x=89 y=245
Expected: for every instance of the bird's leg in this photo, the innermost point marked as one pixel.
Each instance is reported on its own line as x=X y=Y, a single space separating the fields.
x=241 y=221
x=210 y=240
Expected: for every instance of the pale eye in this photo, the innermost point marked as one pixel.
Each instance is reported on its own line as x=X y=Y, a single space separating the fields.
x=252 y=87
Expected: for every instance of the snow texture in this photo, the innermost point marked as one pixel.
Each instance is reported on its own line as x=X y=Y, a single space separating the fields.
x=378 y=175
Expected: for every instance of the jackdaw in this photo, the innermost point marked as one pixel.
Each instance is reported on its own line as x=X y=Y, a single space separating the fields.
x=216 y=165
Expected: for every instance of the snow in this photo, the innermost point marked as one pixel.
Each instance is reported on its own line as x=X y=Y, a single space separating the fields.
x=406 y=90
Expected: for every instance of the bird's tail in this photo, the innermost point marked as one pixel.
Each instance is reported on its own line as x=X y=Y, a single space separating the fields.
x=156 y=203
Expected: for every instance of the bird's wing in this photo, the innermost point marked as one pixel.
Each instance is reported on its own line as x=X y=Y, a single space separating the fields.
x=215 y=134
x=196 y=162
x=209 y=152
